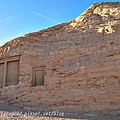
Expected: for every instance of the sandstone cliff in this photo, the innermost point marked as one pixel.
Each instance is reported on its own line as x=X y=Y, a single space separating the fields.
x=81 y=60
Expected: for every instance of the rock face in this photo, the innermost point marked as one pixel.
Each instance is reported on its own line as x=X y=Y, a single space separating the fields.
x=73 y=66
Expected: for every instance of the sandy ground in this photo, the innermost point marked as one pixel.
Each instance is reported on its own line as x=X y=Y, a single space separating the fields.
x=9 y=112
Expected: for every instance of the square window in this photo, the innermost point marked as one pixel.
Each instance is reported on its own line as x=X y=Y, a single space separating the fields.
x=1 y=74
x=12 y=72
x=38 y=76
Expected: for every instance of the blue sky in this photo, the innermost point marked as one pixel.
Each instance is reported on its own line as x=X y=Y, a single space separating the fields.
x=19 y=17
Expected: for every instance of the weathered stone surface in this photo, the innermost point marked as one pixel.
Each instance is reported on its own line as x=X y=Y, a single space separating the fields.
x=81 y=60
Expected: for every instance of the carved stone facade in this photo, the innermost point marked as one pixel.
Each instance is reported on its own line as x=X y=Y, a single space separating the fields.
x=73 y=66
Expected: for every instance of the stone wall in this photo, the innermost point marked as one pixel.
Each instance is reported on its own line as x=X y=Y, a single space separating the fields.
x=81 y=59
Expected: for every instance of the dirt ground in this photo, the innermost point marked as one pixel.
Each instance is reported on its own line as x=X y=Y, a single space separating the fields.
x=9 y=112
